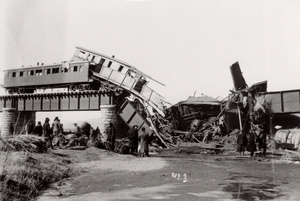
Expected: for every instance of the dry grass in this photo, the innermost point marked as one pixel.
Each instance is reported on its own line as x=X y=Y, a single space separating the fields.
x=29 y=143
x=25 y=172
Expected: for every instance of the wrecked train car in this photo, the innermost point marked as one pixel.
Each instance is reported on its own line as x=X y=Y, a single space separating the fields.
x=202 y=108
x=255 y=107
x=245 y=106
x=284 y=109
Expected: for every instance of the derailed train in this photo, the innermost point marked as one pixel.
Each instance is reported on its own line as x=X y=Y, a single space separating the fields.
x=89 y=70
x=73 y=75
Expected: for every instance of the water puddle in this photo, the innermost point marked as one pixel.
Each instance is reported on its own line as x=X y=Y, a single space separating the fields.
x=251 y=188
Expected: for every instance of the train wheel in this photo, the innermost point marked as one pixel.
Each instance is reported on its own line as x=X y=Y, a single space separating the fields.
x=106 y=86
x=9 y=91
x=80 y=87
x=72 y=88
x=166 y=129
x=20 y=91
x=88 y=87
x=118 y=91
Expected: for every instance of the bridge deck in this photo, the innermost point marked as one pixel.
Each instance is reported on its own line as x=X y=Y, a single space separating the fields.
x=57 y=101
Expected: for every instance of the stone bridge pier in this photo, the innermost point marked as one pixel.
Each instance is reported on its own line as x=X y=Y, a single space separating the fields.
x=108 y=114
x=14 y=122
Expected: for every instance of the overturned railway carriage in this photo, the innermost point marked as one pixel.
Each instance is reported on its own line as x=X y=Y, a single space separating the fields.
x=117 y=75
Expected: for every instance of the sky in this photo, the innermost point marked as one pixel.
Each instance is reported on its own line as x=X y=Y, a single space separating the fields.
x=187 y=45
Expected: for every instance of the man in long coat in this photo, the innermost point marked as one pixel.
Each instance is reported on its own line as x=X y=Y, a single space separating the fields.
x=241 y=143
x=144 y=146
x=133 y=139
x=47 y=132
x=56 y=126
x=111 y=135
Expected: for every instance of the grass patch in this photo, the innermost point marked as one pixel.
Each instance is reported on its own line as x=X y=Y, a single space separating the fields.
x=25 y=175
x=28 y=143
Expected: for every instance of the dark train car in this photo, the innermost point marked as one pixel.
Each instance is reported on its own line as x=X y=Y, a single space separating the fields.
x=201 y=108
x=284 y=109
x=72 y=75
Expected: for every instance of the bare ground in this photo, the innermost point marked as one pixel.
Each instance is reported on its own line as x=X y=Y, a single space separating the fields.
x=170 y=175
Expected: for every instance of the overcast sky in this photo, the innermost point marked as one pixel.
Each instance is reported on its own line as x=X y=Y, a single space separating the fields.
x=187 y=45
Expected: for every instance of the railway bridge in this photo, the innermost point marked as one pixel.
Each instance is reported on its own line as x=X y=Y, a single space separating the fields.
x=18 y=109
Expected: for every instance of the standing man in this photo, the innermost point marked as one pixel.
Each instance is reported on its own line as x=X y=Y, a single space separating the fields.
x=111 y=135
x=251 y=144
x=29 y=127
x=144 y=147
x=262 y=142
x=47 y=132
x=56 y=126
x=38 y=129
x=241 y=143
x=11 y=129
x=133 y=139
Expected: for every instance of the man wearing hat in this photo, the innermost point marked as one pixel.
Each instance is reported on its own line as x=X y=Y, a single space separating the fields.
x=38 y=129
x=56 y=126
x=133 y=138
x=47 y=132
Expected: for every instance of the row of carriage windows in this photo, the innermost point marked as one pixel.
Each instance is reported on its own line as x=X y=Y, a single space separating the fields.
x=98 y=60
x=48 y=71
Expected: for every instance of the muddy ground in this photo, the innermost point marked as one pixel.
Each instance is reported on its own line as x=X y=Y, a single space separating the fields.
x=190 y=174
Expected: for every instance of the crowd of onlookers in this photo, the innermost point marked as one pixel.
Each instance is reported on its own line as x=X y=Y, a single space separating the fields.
x=136 y=143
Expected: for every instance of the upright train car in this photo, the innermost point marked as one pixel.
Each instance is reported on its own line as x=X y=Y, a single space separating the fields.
x=71 y=75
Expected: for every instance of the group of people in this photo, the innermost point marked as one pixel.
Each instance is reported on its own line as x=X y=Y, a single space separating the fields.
x=248 y=142
x=139 y=142
x=46 y=130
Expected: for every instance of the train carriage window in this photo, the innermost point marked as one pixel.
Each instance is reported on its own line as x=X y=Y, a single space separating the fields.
x=97 y=60
x=120 y=68
x=30 y=73
x=48 y=71
x=80 y=68
x=38 y=72
x=102 y=62
x=14 y=74
x=82 y=55
x=21 y=74
x=75 y=68
x=109 y=64
x=55 y=70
